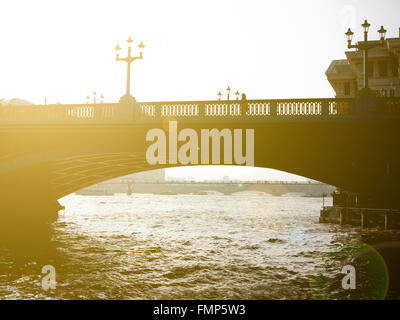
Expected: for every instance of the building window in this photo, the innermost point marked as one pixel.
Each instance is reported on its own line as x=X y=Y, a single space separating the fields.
x=383 y=69
x=346 y=88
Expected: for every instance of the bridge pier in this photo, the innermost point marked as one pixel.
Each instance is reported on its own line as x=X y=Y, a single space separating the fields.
x=27 y=208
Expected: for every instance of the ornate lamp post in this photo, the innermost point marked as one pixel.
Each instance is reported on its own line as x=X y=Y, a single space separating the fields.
x=237 y=94
x=365 y=46
x=129 y=59
x=228 y=90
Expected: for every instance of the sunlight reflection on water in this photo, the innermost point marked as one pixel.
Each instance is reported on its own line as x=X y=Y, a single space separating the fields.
x=243 y=246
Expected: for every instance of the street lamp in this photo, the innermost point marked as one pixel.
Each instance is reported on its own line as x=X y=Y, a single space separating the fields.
x=382 y=33
x=349 y=34
x=229 y=91
x=237 y=94
x=365 y=46
x=129 y=59
x=365 y=26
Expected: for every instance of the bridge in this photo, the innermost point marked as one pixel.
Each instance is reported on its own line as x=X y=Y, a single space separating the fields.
x=54 y=150
x=226 y=188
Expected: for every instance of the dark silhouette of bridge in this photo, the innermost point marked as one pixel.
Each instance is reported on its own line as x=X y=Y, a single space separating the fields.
x=50 y=151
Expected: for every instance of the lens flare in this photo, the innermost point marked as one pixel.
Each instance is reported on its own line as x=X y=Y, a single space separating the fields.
x=297 y=234
x=371 y=276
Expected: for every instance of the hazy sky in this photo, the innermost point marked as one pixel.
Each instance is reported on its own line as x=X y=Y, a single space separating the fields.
x=63 y=50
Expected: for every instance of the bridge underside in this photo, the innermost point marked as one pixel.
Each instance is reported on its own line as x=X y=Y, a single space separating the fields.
x=42 y=163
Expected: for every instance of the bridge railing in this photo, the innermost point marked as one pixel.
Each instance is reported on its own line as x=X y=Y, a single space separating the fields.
x=34 y=113
x=248 y=108
x=273 y=109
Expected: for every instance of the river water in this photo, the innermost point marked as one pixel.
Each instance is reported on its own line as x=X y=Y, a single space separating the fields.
x=243 y=246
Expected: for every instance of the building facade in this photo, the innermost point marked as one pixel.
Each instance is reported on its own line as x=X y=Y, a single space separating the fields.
x=346 y=76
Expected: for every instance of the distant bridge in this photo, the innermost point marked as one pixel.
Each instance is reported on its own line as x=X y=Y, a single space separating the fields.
x=272 y=188
x=54 y=150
